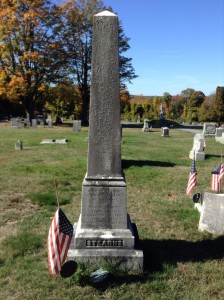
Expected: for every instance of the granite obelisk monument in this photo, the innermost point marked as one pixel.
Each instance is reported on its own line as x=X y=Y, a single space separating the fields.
x=104 y=230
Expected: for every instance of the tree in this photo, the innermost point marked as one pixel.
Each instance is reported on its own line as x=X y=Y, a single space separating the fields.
x=124 y=100
x=77 y=23
x=194 y=103
x=156 y=102
x=187 y=93
x=207 y=111
x=63 y=100
x=30 y=54
x=219 y=103
x=167 y=98
x=175 y=110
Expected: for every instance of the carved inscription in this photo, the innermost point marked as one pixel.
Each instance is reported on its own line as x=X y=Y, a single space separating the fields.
x=104 y=208
x=104 y=243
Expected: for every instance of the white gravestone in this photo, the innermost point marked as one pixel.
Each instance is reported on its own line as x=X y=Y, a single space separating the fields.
x=219 y=135
x=212 y=214
x=219 y=131
x=197 y=152
x=77 y=125
x=34 y=123
x=209 y=129
x=146 y=127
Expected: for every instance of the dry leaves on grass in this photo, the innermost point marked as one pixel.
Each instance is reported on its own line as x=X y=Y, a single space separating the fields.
x=13 y=209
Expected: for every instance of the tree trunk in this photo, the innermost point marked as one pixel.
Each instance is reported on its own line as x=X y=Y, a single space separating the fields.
x=84 y=90
x=29 y=107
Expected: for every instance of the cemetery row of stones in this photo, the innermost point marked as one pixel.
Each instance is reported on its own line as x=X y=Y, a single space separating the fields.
x=209 y=205
x=35 y=123
x=209 y=129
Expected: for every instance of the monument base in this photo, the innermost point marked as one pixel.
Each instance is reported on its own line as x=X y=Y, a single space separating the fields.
x=95 y=247
x=126 y=260
x=197 y=155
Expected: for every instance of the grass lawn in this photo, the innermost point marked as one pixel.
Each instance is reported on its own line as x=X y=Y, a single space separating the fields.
x=179 y=261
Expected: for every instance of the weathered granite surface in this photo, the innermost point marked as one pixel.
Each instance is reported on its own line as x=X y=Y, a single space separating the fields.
x=104 y=230
x=212 y=214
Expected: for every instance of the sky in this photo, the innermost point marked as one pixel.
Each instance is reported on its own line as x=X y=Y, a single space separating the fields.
x=174 y=44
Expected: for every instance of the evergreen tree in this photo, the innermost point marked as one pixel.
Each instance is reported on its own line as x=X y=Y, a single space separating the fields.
x=219 y=103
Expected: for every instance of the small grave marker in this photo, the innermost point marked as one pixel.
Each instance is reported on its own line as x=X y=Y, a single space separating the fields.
x=165 y=131
x=77 y=125
x=18 y=145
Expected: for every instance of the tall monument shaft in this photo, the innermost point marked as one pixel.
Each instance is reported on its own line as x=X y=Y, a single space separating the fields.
x=104 y=135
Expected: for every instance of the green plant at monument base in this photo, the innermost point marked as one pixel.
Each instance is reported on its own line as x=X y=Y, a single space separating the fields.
x=179 y=261
x=81 y=275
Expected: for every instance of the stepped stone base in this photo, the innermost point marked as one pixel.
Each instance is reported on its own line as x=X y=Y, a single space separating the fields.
x=95 y=247
x=123 y=259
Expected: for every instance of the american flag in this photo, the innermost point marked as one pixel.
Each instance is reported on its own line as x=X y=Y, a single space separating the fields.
x=59 y=239
x=192 y=178
x=216 y=181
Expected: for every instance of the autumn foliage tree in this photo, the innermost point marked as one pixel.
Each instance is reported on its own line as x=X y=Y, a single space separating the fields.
x=30 y=54
x=76 y=33
x=64 y=100
x=42 y=44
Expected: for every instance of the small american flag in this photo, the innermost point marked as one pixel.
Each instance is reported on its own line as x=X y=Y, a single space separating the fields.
x=216 y=181
x=59 y=239
x=192 y=178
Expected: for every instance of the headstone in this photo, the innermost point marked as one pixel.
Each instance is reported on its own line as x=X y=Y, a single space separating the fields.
x=219 y=135
x=61 y=141
x=197 y=152
x=209 y=129
x=49 y=123
x=16 y=122
x=27 y=123
x=34 y=123
x=41 y=123
x=54 y=141
x=13 y=122
x=165 y=131
x=18 y=145
x=212 y=214
x=139 y=119
x=104 y=231
x=146 y=126
x=77 y=125
x=219 y=131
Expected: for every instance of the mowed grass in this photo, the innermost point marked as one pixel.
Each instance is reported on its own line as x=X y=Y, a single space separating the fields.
x=179 y=261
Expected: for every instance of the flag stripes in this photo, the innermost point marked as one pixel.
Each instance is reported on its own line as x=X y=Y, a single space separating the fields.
x=216 y=178
x=192 y=178
x=59 y=239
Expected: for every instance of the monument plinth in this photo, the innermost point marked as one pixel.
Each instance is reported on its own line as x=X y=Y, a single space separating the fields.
x=104 y=230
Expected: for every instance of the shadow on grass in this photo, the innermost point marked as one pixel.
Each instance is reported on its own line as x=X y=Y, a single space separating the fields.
x=127 y=163
x=159 y=252
x=208 y=156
